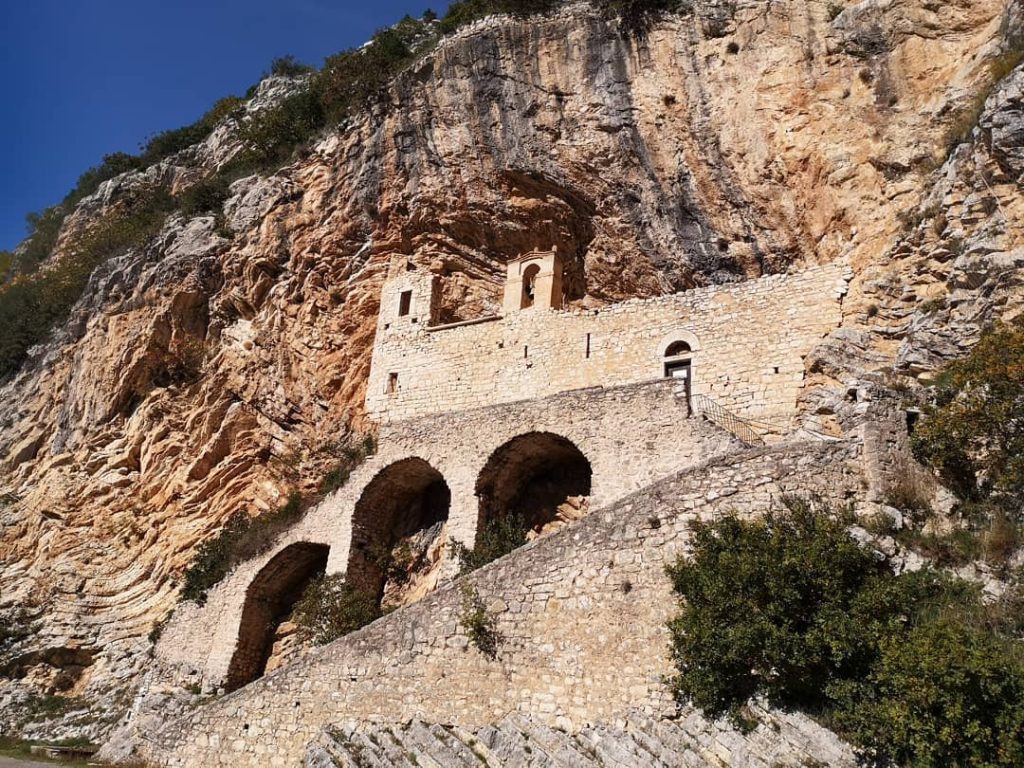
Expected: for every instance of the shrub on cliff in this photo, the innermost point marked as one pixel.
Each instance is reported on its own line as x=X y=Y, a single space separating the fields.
x=331 y=608
x=242 y=538
x=31 y=305
x=911 y=668
x=973 y=433
x=498 y=537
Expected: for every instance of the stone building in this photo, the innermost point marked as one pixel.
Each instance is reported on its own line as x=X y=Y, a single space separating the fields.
x=544 y=410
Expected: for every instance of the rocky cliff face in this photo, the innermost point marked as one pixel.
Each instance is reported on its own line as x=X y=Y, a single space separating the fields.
x=206 y=375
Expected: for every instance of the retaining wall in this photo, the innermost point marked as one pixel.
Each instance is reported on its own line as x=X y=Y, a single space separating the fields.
x=581 y=614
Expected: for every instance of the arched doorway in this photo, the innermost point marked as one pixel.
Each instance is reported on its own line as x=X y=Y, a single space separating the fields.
x=679 y=365
x=268 y=602
x=539 y=476
x=398 y=532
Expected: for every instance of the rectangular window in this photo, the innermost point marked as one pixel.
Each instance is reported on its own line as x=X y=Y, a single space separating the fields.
x=404 y=303
x=588 y=347
x=392 y=387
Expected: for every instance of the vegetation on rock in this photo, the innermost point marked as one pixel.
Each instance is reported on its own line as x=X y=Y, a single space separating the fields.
x=913 y=668
x=973 y=433
x=243 y=537
x=498 y=537
x=31 y=304
x=330 y=608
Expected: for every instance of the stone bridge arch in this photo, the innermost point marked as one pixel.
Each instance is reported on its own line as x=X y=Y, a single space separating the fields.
x=406 y=504
x=269 y=599
x=533 y=475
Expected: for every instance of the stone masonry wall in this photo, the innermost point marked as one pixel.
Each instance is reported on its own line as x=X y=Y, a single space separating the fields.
x=581 y=614
x=748 y=343
x=631 y=435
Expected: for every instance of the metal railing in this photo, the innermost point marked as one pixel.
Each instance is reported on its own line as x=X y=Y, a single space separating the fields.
x=716 y=414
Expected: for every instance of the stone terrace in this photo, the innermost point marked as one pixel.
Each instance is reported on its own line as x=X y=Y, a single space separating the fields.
x=631 y=435
x=582 y=615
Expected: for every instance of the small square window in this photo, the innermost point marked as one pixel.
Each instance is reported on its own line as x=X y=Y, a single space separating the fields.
x=404 y=303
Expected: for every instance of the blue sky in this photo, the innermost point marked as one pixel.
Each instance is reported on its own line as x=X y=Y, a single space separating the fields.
x=82 y=78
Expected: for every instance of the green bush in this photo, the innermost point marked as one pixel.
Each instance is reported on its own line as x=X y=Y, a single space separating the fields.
x=912 y=668
x=206 y=196
x=498 y=537
x=947 y=692
x=289 y=66
x=167 y=143
x=31 y=305
x=242 y=538
x=351 y=457
x=973 y=433
x=331 y=608
x=480 y=626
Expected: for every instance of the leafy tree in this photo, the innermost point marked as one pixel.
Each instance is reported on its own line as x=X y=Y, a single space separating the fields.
x=974 y=431
x=948 y=692
x=912 y=668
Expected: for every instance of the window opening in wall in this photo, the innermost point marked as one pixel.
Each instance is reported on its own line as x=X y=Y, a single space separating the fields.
x=392 y=386
x=776 y=369
x=404 y=303
x=526 y=351
x=588 y=347
x=530 y=285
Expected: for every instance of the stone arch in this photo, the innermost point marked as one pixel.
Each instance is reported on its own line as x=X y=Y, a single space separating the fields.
x=269 y=599
x=534 y=475
x=405 y=504
x=675 y=337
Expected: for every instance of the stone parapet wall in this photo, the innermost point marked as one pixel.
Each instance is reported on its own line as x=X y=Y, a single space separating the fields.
x=631 y=435
x=748 y=340
x=581 y=615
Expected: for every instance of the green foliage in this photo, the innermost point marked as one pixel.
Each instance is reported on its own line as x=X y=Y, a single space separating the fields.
x=31 y=305
x=289 y=66
x=948 y=692
x=949 y=550
x=206 y=196
x=636 y=15
x=480 y=626
x=351 y=457
x=973 y=435
x=167 y=143
x=331 y=608
x=467 y=11
x=242 y=538
x=912 y=668
x=498 y=537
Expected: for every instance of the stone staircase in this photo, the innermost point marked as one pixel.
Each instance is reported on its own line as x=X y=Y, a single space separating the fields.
x=691 y=741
